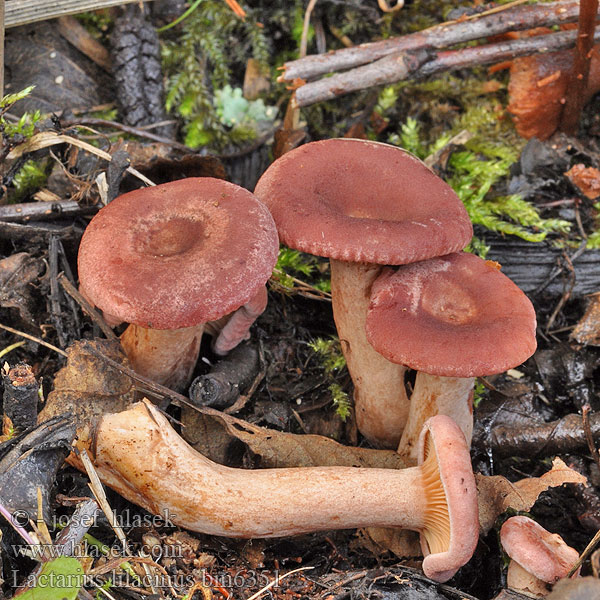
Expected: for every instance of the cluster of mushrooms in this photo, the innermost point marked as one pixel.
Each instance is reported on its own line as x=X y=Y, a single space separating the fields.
x=194 y=255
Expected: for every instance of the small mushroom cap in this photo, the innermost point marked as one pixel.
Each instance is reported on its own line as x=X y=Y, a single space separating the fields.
x=452 y=521
x=543 y=554
x=363 y=201
x=453 y=316
x=178 y=254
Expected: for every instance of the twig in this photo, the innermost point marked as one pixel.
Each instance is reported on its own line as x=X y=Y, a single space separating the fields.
x=385 y=71
x=585 y=418
x=137 y=131
x=33 y=339
x=98 y=491
x=12 y=213
x=87 y=308
x=440 y=36
x=305 y=28
x=575 y=95
x=276 y=581
x=585 y=554
x=45 y=139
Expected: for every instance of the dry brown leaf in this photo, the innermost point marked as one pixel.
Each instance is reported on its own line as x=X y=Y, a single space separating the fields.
x=586 y=179
x=212 y=435
x=87 y=386
x=496 y=494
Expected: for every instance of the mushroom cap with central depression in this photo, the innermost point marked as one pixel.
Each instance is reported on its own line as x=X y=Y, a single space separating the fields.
x=362 y=201
x=178 y=254
x=452 y=316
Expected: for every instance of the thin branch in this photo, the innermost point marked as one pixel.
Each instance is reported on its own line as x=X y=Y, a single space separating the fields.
x=440 y=36
x=575 y=96
x=37 y=340
x=41 y=211
x=386 y=71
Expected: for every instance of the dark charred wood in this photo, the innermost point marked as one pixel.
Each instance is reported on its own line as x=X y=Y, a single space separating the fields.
x=540 y=267
x=29 y=463
x=20 y=397
x=228 y=379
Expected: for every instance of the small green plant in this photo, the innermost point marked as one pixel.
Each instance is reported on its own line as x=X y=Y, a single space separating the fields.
x=25 y=126
x=474 y=172
x=199 y=60
x=330 y=354
x=333 y=361
x=341 y=401
x=292 y=264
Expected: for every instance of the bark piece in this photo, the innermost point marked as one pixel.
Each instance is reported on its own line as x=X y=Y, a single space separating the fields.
x=230 y=377
x=30 y=462
x=20 y=397
x=137 y=71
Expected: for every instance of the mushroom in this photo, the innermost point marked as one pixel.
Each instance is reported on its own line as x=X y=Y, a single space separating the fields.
x=452 y=318
x=537 y=88
x=438 y=498
x=169 y=258
x=538 y=557
x=364 y=204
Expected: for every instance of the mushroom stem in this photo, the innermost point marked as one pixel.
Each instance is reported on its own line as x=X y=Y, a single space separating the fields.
x=167 y=356
x=238 y=324
x=434 y=395
x=138 y=454
x=380 y=401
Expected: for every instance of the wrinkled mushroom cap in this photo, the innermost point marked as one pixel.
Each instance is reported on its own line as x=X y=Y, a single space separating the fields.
x=452 y=518
x=453 y=316
x=541 y=553
x=178 y=254
x=362 y=201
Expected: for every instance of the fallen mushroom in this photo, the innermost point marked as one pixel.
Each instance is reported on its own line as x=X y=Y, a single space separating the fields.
x=438 y=498
x=364 y=204
x=452 y=318
x=538 y=557
x=169 y=258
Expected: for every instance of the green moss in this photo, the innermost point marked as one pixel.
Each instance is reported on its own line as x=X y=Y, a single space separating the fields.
x=293 y=265
x=200 y=58
x=29 y=178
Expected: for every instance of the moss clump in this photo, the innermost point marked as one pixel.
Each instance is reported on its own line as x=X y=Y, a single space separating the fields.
x=200 y=58
x=333 y=362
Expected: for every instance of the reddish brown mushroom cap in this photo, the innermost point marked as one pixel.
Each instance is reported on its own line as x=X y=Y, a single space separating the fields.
x=453 y=316
x=541 y=553
x=362 y=201
x=178 y=254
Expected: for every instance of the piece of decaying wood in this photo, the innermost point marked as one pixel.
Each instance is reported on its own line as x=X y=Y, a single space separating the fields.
x=575 y=97
x=77 y=35
x=24 y=212
x=532 y=266
x=587 y=330
x=21 y=12
x=439 y=36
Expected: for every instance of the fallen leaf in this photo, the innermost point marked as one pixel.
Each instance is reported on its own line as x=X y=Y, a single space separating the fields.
x=496 y=494
x=586 y=179
x=214 y=434
x=87 y=386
